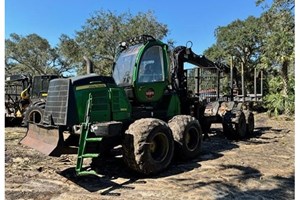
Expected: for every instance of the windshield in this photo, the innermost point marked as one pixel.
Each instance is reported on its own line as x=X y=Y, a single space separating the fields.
x=123 y=70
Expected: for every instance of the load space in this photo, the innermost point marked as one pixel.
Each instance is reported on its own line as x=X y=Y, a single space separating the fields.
x=152 y=106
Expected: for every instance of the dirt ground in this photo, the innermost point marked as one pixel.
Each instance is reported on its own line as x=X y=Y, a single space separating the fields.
x=261 y=167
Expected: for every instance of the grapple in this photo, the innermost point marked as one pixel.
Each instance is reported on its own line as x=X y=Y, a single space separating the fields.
x=48 y=140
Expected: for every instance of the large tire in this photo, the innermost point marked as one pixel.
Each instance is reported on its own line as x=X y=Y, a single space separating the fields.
x=234 y=125
x=228 y=129
x=249 y=122
x=34 y=113
x=148 y=146
x=187 y=134
x=240 y=125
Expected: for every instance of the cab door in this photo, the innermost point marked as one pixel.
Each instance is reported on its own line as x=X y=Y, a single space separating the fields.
x=151 y=78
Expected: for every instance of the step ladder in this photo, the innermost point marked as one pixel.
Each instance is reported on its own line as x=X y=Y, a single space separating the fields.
x=85 y=138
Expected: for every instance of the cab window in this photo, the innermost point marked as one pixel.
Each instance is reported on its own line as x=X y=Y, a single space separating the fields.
x=124 y=65
x=151 y=65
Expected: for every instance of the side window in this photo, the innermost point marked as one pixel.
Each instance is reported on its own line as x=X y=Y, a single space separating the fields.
x=151 y=66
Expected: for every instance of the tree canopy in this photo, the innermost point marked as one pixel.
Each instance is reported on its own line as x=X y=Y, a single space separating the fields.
x=101 y=34
x=240 y=41
x=265 y=42
x=278 y=52
x=98 y=40
x=32 y=54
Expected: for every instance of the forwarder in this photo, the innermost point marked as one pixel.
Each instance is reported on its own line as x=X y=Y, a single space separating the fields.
x=145 y=106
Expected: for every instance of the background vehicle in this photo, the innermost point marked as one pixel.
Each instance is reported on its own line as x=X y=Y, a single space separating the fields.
x=25 y=98
x=146 y=106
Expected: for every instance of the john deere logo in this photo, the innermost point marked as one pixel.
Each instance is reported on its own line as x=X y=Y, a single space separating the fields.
x=150 y=93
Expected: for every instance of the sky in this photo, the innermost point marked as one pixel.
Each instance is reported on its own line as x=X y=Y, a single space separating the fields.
x=190 y=20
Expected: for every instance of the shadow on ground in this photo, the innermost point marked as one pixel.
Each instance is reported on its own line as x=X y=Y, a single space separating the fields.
x=94 y=183
x=112 y=168
x=283 y=187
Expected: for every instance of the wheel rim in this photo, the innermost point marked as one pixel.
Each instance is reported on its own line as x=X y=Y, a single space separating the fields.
x=35 y=117
x=159 y=147
x=192 y=139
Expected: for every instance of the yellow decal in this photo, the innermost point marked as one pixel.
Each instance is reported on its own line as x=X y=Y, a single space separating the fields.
x=44 y=94
x=83 y=87
x=18 y=114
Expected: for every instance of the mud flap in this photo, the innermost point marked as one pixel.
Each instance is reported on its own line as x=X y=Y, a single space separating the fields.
x=47 y=140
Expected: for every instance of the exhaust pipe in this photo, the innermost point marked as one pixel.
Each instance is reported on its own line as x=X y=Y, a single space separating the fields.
x=89 y=65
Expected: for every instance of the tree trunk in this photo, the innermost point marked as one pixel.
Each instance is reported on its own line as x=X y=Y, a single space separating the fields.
x=285 y=78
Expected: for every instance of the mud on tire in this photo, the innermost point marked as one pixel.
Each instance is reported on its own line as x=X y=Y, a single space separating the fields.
x=249 y=122
x=228 y=129
x=187 y=134
x=148 y=146
x=234 y=125
x=240 y=125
